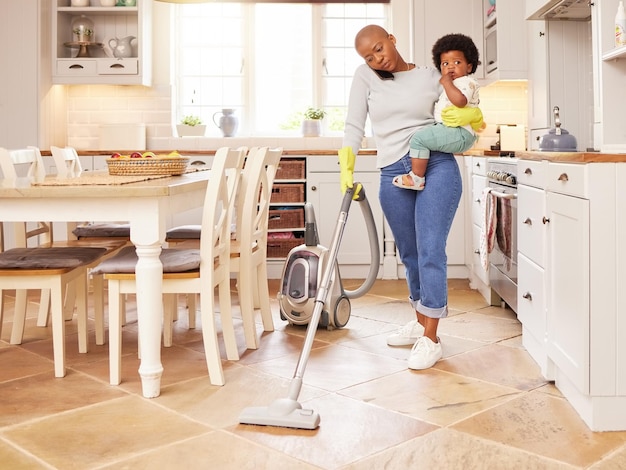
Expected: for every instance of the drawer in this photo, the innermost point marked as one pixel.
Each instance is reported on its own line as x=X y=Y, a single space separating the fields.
x=76 y=67
x=531 y=208
x=567 y=178
x=531 y=301
x=330 y=164
x=479 y=166
x=118 y=66
x=532 y=173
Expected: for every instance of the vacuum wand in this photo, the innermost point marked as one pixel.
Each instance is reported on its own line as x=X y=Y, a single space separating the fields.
x=288 y=412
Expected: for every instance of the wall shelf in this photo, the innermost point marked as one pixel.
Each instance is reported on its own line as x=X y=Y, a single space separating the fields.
x=614 y=53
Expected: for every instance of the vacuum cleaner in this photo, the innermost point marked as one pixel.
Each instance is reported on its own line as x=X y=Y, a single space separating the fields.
x=302 y=277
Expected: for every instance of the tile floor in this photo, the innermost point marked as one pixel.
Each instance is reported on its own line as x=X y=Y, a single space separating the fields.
x=484 y=406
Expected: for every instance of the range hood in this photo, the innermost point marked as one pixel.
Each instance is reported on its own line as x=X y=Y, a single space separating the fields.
x=572 y=10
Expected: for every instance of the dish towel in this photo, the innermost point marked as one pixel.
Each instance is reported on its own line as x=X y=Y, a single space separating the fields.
x=488 y=230
x=503 y=230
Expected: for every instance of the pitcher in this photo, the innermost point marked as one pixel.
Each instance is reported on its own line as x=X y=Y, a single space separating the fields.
x=228 y=122
x=122 y=47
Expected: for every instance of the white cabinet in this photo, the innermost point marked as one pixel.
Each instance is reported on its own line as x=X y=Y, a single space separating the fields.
x=609 y=76
x=575 y=264
x=25 y=77
x=476 y=178
x=531 y=289
x=323 y=192
x=434 y=20
x=125 y=29
x=505 y=41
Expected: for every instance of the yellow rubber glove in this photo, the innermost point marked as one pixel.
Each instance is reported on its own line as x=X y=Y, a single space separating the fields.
x=457 y=117
x=346 y=170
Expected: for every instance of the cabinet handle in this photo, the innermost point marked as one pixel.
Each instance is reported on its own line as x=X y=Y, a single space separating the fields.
x=527 y=296
x=477 y=200
x=563 y=177
x=545 y=220
x=528 y=171
x=528 y=221
x=541 y=34
x=76 y=66
x=116 y=66
x=477 y=165
x=476 y=252
x=313 y=188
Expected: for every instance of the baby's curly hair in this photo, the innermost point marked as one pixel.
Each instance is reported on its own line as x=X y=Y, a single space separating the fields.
x=456 y=42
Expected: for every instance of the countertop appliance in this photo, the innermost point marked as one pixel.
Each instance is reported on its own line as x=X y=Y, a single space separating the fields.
x=502 y=177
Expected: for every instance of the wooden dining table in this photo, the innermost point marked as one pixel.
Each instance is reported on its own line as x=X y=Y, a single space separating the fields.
x=146 y=205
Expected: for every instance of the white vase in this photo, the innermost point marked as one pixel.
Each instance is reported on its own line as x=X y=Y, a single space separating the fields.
x=311 y=128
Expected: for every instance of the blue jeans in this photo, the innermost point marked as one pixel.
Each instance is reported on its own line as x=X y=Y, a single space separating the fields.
x=420 y=222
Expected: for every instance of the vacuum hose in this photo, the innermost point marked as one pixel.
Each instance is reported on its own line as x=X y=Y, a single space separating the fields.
x=372 y=234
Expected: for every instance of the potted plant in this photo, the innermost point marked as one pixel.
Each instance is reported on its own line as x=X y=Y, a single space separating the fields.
x=312 y=123
x=191 y=126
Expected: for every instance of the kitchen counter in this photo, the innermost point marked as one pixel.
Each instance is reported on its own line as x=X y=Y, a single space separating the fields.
x=190 y=153
x=562 y=157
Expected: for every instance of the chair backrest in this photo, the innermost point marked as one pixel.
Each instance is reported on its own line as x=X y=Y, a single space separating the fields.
x=253 y=205
x=219 y=206
x=11 y=160
x=67 y=162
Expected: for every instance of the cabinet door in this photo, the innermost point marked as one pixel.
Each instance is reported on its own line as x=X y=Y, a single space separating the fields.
x=19 y=93
x=531 y=228
x=539 y=110
x=434 y=20
x=324 y=193
x=567 y=286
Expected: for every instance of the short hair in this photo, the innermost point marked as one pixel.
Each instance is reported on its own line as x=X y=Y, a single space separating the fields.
x=456 y=42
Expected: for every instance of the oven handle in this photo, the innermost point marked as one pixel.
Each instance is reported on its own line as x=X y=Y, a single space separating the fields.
x=503 y=195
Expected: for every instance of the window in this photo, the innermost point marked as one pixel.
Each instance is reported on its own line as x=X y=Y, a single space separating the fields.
x=269 y=61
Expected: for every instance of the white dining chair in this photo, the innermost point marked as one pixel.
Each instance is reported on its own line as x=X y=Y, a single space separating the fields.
x=248 y=254
x=197 y=271
x=45 y=264
x=66 y=161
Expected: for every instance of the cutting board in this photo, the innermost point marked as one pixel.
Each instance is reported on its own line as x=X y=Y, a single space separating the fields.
x=512 y=138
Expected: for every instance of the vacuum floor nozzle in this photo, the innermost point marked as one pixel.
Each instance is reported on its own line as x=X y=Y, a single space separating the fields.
x=284 y=412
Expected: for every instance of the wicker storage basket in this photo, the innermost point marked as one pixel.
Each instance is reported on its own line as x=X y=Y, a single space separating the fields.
x=286 y=218
x=290 y=169
x=287 y=192
x=147 y=166
x=281 y=248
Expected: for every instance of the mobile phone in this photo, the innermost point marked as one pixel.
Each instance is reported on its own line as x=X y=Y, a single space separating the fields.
x=383 y=74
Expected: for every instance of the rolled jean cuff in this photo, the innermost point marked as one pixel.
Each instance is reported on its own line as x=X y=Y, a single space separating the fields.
x=440 y=312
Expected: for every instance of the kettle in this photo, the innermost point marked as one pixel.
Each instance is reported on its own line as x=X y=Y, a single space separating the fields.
x=121 y=48
x=558 y=139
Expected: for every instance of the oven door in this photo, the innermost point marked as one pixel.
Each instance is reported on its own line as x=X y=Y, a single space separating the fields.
x=503 y=258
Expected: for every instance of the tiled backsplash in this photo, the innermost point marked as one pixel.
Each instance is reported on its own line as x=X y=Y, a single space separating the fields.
x=89 y=106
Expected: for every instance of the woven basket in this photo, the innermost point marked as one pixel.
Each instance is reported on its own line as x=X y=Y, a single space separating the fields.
x=147 y=166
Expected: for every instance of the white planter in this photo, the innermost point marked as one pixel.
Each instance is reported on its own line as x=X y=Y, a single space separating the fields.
x=311 y=128
x=184 y=130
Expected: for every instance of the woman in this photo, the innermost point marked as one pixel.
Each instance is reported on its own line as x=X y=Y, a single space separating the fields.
x=399 y=98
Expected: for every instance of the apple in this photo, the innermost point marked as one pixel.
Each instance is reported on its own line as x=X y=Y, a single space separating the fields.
x=148 y=155
x=135 y=155
x=116 y=155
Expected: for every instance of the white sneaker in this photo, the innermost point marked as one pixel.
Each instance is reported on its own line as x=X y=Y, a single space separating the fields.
x=425 y=353
x=406 y=335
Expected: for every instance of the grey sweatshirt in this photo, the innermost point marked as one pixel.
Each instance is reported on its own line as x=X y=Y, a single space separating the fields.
x=397 y=108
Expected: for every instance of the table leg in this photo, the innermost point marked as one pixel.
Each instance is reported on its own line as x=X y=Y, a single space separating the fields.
x=149 y=279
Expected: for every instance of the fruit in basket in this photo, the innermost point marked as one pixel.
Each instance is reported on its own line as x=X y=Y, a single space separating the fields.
x=116 y=155
x=173 y=154
x=136 y=155
x=148 y=155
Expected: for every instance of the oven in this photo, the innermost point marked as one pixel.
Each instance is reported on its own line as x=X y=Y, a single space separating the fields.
x=501 y=174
